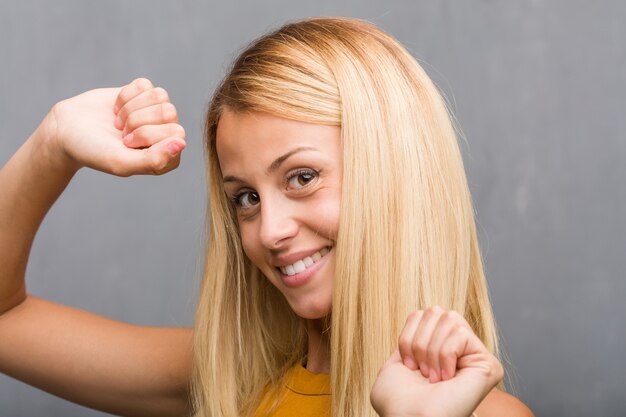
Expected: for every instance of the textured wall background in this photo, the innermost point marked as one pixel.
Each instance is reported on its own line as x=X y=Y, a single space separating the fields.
x=538 y=88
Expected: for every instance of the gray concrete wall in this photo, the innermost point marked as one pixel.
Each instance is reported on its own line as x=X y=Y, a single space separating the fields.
x=538 y=88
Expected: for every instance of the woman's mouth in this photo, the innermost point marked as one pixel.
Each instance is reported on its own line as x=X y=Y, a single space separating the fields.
x=304 y=263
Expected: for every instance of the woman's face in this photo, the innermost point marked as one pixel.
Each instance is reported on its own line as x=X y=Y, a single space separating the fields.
x=283 y=179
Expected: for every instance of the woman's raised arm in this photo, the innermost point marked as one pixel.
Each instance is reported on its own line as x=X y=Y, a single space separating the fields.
x=94 y=361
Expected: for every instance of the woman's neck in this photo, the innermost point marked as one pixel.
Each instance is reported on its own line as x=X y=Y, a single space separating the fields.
x=318 y=356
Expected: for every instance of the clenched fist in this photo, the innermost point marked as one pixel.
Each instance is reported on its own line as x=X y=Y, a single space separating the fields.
x=440 y=369
x=122 y=131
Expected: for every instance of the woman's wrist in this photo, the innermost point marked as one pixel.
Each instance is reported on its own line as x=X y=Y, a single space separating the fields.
x=48 y=146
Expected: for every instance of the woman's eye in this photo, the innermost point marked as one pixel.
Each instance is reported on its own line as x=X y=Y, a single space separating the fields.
x=246 y=199
x=301 y=179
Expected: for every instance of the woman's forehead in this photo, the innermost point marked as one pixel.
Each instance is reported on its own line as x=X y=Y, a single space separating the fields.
x=259 y=137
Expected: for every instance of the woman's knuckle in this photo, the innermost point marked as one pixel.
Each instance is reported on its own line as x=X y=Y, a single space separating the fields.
x=131 y=121
x=454 y=315
x=447 y=352
x=410 y=317
x=419 y=345
x=140 y=134
x=455 y=328
x=159 y=165
x=459 y=318
x=180 y=131
x=433 y=311
x=498 y=369
x=448 y=315
x=123 y=113
x=142 y=83
x=404 y=342
x=118 y=168
x=461 y=330
x=157 y=168
x=58 y=107
x=159 y=94
x=168 y=112
x=493 y=369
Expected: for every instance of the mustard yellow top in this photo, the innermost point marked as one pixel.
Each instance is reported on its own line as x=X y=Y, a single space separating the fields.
x=305 y=395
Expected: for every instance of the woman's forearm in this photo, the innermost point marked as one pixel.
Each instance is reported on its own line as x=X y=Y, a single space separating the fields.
x=30 y=183
x=94 y=361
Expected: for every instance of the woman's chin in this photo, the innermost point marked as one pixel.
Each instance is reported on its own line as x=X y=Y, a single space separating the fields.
x=311 y=311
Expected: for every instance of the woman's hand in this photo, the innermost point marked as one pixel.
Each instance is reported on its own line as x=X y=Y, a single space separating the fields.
x=121 y=131
x=440 y=368
x=91 y=360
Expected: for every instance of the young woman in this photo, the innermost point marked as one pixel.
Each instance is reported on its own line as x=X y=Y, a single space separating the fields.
x=343 y=274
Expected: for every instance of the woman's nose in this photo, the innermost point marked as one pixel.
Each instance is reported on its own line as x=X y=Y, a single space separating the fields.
x=278 y=224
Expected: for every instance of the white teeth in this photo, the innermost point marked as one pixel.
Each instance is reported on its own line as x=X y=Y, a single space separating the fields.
x=299 y=267
x=303 y=264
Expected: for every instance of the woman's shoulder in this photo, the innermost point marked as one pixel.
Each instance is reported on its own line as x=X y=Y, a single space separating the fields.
x=499 y=403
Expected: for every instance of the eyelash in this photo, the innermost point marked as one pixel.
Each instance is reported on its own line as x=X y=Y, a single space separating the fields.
x=235 y=200
x=302 y=171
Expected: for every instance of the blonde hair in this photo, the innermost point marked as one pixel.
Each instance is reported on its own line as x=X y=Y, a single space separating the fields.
x=407 y=237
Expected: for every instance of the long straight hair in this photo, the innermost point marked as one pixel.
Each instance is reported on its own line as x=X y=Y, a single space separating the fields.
x=407 y=236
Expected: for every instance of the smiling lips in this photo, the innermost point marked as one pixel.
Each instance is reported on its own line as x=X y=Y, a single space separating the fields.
x=303 y=264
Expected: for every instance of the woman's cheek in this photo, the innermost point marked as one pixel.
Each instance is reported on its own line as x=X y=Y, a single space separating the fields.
x=328 y=211
x=250 y=248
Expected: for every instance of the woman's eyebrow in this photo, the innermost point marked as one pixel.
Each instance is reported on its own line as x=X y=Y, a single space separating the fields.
x=276 y=164
x=231 y=178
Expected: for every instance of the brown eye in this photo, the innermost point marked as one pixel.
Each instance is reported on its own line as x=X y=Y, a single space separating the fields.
x=301 y=179
x=247 y=199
